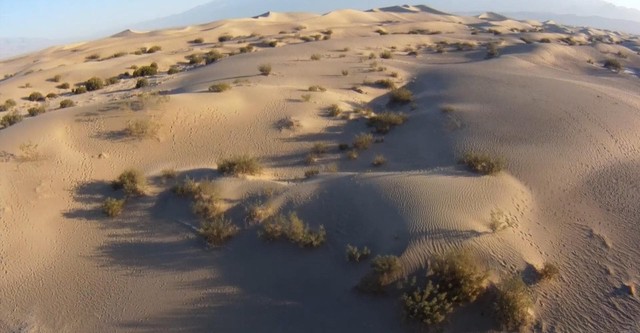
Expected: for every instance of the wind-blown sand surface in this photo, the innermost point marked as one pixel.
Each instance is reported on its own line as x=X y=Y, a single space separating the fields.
x=566 y=128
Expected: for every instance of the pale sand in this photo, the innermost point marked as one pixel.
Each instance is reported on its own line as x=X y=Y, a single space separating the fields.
x=567 y=129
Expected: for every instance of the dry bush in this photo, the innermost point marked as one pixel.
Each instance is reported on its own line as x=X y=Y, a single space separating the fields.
x=384 y=122
x=492 y=51
x=320 y=148
x=385 y=83
x=142 y=129
x=65 y=85
x=354 y=254
x=112 y=80
x=66 y=103
x=258 y=213
x=545 y=40
x=289 y=123
x=132 y=181
x=173 y=70
x=386 y=54
x=385 y=270
x=225 y=38
x=401 y=96
x=11 y=119
x=218 y=230
x=240 y=165
x=317 y=88
x=79 y=90
x=352 y=154
x=345 y=72
x=36 y=97
x=379 y=160
x=482 y=164
x=501 y=221
x=429 y=305
x=188 y=188
x=167 y=174
x=206 y=206
x=316 y=57
x=311 y=173
x=447 y=109
x=56 y=78
x=334 y=110
x=113 y=207
x=613 y=64
x=94 y=56
x=212 y=56
x=198 y=40
x=306 y=97
x=145 y=71
x=459 y=276
x=29 y=152
x=265 y=69
x=36 y=110
x=363 y=141
x=141 y=83
x=512 y=305
x=94 y=83
x=219 y=87
x=548 y=271
x=293 y=229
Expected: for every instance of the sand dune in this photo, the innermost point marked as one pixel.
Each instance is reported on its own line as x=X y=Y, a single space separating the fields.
x=565 y=126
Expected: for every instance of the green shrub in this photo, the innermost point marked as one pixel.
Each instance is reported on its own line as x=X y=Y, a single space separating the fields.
x=294 y=229
x=36 y=97
x=219 y=87
x=482 y=164
x=459 y=276
x=65 y=85
x=386 y=54
x=34 y=111
x=240 y=165
x=113 y=207
x=112 y=80
x=145 y=71
x=385 y=270
x=317 y=88
x=613 y=64
x=66 y=103
x=154 y=49
x=354 y=254
x=429 y=305
x=512 y=305
x=94 y=83
x=265 y=69
x=334 y=110
x=11 y=119
x=141 y=83
x=384 y=122
x=79 y=90
x=379 y=160
x=363 y=141
x=132 y=181
x=173 y=70
x=218 y=231
x=401 y=96
x=52 y=95
x=225 y=38
x=198 y=40
x=212 y=56
x=141 y=128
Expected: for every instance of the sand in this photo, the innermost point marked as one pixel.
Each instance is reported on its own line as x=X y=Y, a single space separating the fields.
x=566 y=128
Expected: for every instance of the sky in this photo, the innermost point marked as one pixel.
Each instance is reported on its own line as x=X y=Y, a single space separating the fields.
x=68 y=19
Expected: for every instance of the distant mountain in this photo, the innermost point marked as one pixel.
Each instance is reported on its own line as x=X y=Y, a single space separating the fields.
x=10 y=47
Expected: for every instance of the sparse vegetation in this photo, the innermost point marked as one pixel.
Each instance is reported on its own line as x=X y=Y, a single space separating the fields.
x=352 y=154
x=94 y=83
x=79 y=90
x=36 y=97
x=379 y=160
x=195 y=59
x=548 y=271
x=198 y=40
x=142 y=82
x=11 y=119
x=113 y=207
x=265 y=69
x=306 y=97
x=56 y=78
x=384 y=122
x=66 y=103
x=363 y=141
x=94 y=56
x=311 y=173
x=225 y=38
x=386 y=54
x=334 y=110
x=36 y=110
x=212 y=56
x=429 y=305
x=131 y=181
x=345 y=72
x=218 y=230
x=320 y=148
x=401 y=96
x=512 y=305
x=354 y=254
x=145 y=71
x=613 y=64
x=482 y=164
x=316 y=57
x=8 y=104
x=292 y=228
x=112 y=80
x=142 y=128
x=545 y=40
x=492 y=51
x=240 y=165
x=386 y=83
x=219 y=87
x=385 y=270
x=154 y=49
x=317 y=88
x=65 y=85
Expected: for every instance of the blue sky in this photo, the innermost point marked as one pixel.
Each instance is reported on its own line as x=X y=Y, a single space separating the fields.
x=68 y=19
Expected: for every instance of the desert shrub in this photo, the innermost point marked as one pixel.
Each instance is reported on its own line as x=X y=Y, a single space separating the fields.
x=385 y=270
x=384 y=122
x=548 y=271
x=311 y=159
x=113 y=207
x=166 y=174
x=429 y=305
x=94 y=83
x=459 y=276
x=65 y=85
x=512 y=305
x=141 y=83
x=219 y=87
x=363 y=141
x=225 y=38
x=289 y=123
x=311 y=173
x=66 y=103
x=401 y=96
x=212 y=56
x=119 y=54
x=320 y=148
x=145 y=71
x=545 y=40
x=112 y=80
x=56 y=78
x=35 y=97
x=293 y=229
x=317 y=88
x=198 y=40
x=94 y=56
x=316 y=57
x=79 y=90
x=9 y=103
x=306 y=97
x=195 y=59
x=154 y=49
x=273 y=43
x=173 y=70
x=482 y=164
x=188 y=188
x=354 y=254
x=352 y=154
x=258 y=213
x=11 y=119
x=34 y=111
x=218 y=231
x=141 y=128
x=345 y=72
x=386 y=83
x=246 y=49
x=265 y=69
x=206 y=207
x=132 y=181
x=334 y=110
x=240 y=165
x=52 y=95
x=382 y=32
x=386 y=54
x=379 y=160
x=492 y=51
x=613 y=64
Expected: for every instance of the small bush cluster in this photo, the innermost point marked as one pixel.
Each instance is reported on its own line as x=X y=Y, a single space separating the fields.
x=212 y=56
x=66 y=103
x=142 y=82
x=7 y=105
x=94 y=83
x=36 y=110
x=265 y=69
x=219 y=230
x=317 y=88
x=334 y=110
x=316 y=57
x=401 y=96
x=11 y=119
x=384 y=122
x=482 y=164
x=142 y=128
x=154 y=49
x=198 y=40
x=548 y=271
x=225 y=38
x=145 y=71
x=240 y=165
x=113 y=207
x=94 y=56
x=219 y=87
x=56 y=78
x=36 y=97
x=65 y=85
x=293 y=229
x=385 y=270
x=512 y=305
x=492 y=51
x=363 y=141
x=379 y=160
x=354 y=254
x=613 y=64
x=131 y=181
x=79 y=90
x=112 y=80
x=385 y=83
x=386 y=54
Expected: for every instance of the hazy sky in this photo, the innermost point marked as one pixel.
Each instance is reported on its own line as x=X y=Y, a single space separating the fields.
x=63 y=19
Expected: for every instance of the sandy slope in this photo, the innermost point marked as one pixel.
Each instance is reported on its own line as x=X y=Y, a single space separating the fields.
x=566 y=128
